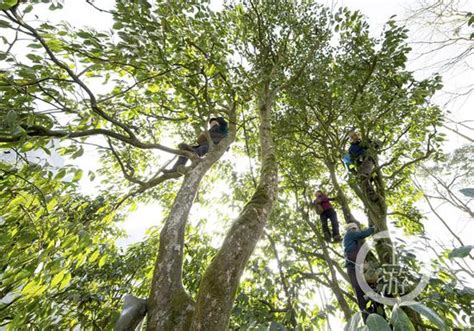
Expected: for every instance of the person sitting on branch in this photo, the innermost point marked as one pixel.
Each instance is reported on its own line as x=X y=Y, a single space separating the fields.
x=218 y=130
x=326 y=211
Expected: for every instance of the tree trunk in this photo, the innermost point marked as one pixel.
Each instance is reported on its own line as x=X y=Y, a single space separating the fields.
x=377 y=214
x=169 y=305
x=220 y=282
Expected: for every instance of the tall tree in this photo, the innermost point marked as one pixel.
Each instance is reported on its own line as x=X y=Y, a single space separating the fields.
x=290 y=77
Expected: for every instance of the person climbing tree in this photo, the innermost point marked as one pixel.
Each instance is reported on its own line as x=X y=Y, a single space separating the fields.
x=326 y=211
x=353 y=241
x=362 y=163
x=218 y=130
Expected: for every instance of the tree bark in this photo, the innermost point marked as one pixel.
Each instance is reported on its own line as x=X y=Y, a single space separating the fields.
x=169 y=306
x=377 y=214
x=221 y=279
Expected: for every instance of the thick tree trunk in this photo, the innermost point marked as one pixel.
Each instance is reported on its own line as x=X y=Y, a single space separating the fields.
x=377 y=214
x=169 y=305
x=221 y=279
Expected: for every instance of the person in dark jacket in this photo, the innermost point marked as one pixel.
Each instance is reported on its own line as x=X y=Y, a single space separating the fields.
x=353 y=241
x=358 y=152
x=323 y=202
x=218 y=130
x=363 y=164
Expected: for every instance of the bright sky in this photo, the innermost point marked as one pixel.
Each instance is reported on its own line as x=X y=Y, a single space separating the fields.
x=79 y=14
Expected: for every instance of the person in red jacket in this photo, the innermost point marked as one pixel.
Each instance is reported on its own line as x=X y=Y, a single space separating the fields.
x=323 y=203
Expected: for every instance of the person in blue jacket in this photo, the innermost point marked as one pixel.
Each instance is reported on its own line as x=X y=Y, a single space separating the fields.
x=359 y=154
x=352 y=242
x=362 y=163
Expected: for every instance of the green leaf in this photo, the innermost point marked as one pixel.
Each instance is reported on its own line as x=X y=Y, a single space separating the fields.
x=65 y=282
x=427 y=312
x=153 y=88
x=7 y=4
x=400 y=320
x=35 y=58
x=117 y=26
x=460 y=251
x=102 y=261
x=32 y=289
x=46 y=150
x=28 y=9
x=80 y=260
x=77 y=175
x=94 y=256
x=61 y=173
x=471 y=20
x=91 y=175
x=27 y=73
x=376 y=322
x=55 y=6
x=78 y=153
x=36 y=46
x=57 y=278
x=28 y=146
x=84 y=34
x=4 y=24
x=55 y=45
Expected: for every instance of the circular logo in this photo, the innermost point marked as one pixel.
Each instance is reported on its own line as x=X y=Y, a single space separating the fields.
x=392 y=272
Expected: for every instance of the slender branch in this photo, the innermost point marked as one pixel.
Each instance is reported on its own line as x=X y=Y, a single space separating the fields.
x=39 y=131
x=127 y=176
x=273 y=309
x=458 y=133
x=438 y=216
x=428 y=153
x=134 y=85
x=75 y=78
x=41 y=194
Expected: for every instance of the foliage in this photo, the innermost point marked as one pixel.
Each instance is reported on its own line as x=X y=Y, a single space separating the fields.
x=50 y=235
x=155 y=78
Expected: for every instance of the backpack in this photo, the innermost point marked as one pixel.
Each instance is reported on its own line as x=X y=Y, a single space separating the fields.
x=319 y=208
x=371 y=272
